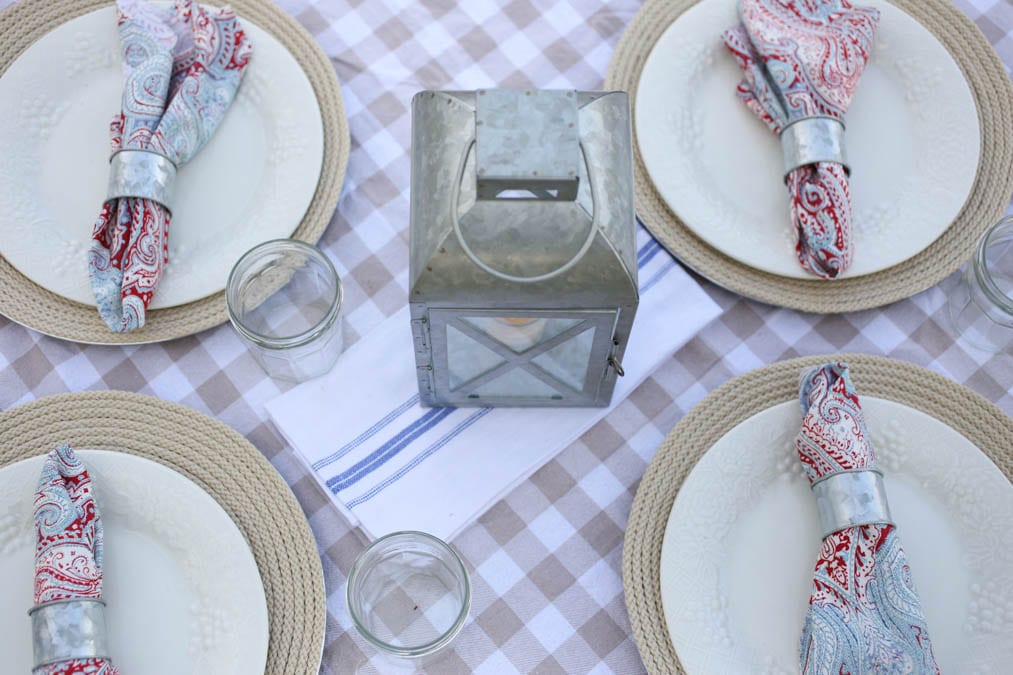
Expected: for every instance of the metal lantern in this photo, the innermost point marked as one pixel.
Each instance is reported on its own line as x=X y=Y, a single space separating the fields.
x=523 y=274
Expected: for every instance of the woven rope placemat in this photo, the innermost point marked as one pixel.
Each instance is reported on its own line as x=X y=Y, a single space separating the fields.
x=27 y=303
x=988 y=199
x=983 y=423
x=227 y=467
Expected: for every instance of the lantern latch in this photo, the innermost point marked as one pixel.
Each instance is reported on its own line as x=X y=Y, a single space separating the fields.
x=616 y=365
x=527 y=145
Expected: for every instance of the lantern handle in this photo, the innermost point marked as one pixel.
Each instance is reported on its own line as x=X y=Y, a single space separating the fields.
x=454 y=205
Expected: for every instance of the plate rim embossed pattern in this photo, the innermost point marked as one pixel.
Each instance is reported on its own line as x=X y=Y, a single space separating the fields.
x=30 y=305
x=988 y=199
x=980 y=421
x=226 y=466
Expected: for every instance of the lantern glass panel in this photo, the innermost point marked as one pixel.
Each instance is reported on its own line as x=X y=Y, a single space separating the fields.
x=468 y=358
x=568 y=361
x=516 y=382
x=517 y=357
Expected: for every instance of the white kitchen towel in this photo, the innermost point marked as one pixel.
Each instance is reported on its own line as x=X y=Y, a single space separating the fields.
x=391 y=464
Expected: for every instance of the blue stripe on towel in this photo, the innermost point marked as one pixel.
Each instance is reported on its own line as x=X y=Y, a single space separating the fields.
x=367 y=434
x=668 y=267
x=650 y=255
x=649 y=246
x=446 y=438
x=389 y=449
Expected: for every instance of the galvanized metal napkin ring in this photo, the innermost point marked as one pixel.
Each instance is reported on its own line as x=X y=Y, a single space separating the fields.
x=850 y=499
x=141 y=173
x=65 y=630
x=813 y=139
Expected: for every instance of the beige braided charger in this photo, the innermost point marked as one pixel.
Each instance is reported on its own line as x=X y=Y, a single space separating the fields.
x=983 y=423
x=227 y=467
x=27 y=303
x=988 y=199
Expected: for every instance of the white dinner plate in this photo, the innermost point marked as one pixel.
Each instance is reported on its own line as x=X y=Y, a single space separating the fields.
x=182 y=588
x=743 y=536
x=912 y=138
x=253 y=181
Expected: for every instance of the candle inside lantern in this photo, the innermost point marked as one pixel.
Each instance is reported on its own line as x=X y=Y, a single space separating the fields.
x=519 y=333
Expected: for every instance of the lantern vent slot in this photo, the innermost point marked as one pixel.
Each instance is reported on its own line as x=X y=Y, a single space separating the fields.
x=528 y=194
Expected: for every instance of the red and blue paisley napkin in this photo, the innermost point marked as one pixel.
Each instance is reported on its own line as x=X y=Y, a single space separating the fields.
x=803 y=58
x=181 y=67
x=68 y=551
x=864 y=613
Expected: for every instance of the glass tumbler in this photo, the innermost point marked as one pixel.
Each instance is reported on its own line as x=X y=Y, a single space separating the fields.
x=981 y=305
x=409 y=596
x=284 y=298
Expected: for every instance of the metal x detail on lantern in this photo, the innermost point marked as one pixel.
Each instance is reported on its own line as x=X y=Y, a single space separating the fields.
x=523 y=275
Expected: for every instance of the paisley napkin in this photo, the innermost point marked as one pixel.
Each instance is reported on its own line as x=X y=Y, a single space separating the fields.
x=864 y=613
x=181 y=69
x=68 y=552
x=803 y=58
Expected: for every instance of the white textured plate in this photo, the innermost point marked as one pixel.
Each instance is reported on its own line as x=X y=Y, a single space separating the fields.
x=252 y=182
x=742 y=540
x=912 y=137
x=182 y=587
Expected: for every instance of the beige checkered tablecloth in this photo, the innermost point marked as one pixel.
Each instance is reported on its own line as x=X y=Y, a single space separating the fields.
x=545 y=561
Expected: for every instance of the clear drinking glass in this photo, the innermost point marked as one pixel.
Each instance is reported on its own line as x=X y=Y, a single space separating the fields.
x=981 y=305
x=284 y=298
x=409 y=596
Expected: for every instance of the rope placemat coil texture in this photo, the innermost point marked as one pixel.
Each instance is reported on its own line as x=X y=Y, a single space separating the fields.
x=983 y=423
x=222 y=463
x=986 y=202
x=28 y=304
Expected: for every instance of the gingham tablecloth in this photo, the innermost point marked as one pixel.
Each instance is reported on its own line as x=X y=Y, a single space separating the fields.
x=545 y=561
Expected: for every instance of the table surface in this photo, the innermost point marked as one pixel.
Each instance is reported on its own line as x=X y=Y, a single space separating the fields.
x=545 y=561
